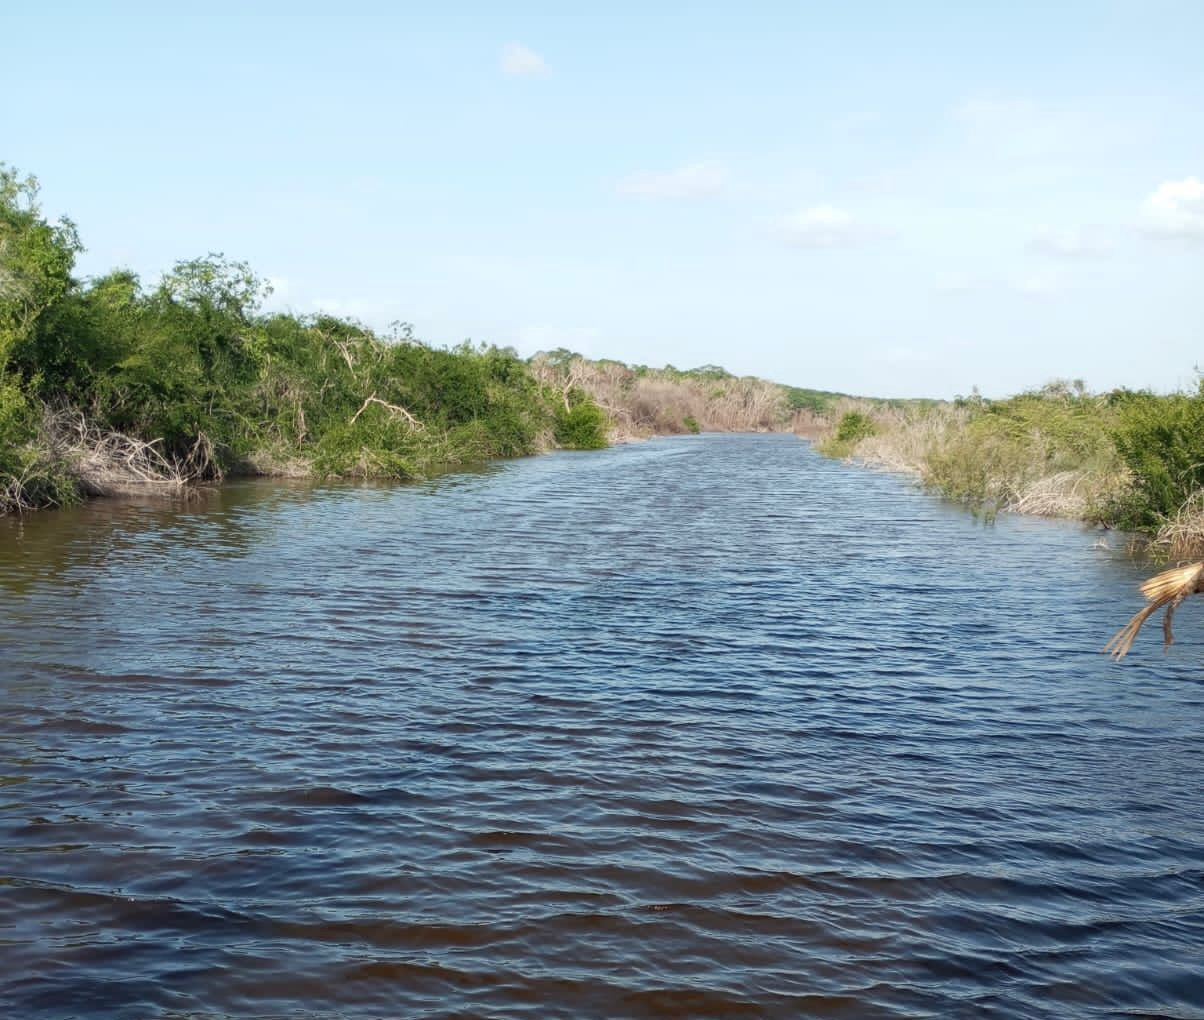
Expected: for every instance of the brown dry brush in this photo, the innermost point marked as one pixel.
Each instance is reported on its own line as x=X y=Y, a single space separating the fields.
x=664 y=401
x=1168 y=590
x=106 y=463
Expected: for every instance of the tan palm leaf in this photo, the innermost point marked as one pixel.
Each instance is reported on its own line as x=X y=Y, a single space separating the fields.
x=1166 y=589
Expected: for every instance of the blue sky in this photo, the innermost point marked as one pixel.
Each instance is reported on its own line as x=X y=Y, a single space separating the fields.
x=881 y=198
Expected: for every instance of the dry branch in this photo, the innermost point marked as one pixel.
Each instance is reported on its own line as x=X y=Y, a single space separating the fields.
x=413 y=422
x=106 y=463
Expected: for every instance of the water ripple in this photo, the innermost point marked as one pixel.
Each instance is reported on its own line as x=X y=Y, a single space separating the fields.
x=700 y=727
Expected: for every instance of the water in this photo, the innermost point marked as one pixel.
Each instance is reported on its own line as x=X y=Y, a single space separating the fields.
x=699 y=727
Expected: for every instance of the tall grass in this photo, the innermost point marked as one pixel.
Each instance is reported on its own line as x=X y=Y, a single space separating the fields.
x=1124 y=459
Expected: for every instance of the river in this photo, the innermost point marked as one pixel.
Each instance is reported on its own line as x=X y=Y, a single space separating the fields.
x=706 y=726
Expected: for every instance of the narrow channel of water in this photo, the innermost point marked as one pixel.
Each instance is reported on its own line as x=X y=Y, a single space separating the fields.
x=699 y=727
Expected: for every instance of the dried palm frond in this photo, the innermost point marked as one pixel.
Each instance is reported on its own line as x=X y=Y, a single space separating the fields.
x=1166 y=589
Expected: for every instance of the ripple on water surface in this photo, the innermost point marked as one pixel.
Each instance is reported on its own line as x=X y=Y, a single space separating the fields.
x=698 y=727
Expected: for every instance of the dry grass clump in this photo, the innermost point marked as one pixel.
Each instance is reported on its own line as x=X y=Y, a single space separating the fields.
x=1167 y=589
x=1182 y=535
x=106 y=463
x=904 y=438
x=277 y=462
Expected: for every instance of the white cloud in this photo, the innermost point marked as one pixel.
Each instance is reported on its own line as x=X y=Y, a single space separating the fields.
x=826 y=226
x=1081 y=243
x=695 y=180
x=519 y=61
x=1176 y=209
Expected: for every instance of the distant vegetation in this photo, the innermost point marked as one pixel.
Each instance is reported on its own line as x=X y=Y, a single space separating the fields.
x=108 y=384
x=1126 y=459
x=641 y=401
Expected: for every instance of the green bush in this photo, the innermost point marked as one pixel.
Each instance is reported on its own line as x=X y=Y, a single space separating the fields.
x=1161 y=440
x=583 y=427
x=854 y=427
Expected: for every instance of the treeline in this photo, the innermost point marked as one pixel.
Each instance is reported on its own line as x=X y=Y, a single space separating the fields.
x=1126 y=459
x=110 y=383
x=642 y=401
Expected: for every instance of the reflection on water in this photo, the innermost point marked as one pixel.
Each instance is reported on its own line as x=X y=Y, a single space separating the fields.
x=699 y=727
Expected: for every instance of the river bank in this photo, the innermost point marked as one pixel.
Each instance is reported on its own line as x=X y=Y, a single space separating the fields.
x=108 y=385
x=1130 y=460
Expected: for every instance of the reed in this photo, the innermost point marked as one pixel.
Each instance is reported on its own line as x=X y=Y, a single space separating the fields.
x=1181 y=536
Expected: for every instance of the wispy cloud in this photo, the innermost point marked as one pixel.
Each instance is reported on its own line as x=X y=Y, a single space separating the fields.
x=695 y=180
x=1176 y=210
x=826 y=226
x=1025 y=129
x=520 y=61
x=1080 y=243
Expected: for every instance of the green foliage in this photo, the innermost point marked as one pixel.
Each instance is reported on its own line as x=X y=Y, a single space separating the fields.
x=799 y=398
x=583 y=427
x=1001 y=448
x=36 y=260
x=691 y=424
x=854 y=427
x=193 y=361
x=30 y=476
x=1161 y=440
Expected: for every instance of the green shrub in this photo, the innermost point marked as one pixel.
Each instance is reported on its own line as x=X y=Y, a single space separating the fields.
x=583 y=427
x=691 y=424
x=854 y=427
x=1161 y=440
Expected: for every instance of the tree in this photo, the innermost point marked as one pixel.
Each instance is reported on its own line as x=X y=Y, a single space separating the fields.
x=36 y=260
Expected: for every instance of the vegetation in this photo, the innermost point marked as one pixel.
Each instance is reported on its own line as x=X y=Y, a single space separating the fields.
x=1132 y=460
x=107 y=383
x=644 y=401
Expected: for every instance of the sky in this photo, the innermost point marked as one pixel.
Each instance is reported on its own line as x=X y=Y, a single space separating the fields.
x=890 y=199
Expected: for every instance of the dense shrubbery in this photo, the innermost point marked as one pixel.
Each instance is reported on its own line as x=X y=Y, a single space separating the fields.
x=1161 y=440
x=1129 y=459
x=195 y=367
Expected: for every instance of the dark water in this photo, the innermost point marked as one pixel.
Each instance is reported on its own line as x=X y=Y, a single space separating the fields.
x=701 y=727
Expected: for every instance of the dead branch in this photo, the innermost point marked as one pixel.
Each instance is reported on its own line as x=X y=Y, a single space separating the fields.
x=107 y=462
x=401 y=412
